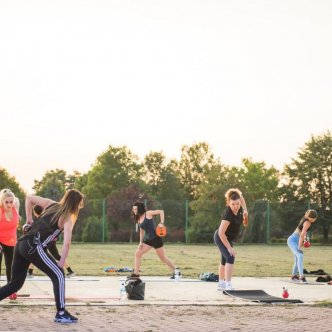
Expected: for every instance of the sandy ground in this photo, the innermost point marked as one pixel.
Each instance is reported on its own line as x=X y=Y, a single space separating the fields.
x=170 y=318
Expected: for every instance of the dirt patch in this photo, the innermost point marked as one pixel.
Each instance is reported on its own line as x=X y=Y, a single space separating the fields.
x=169 y=318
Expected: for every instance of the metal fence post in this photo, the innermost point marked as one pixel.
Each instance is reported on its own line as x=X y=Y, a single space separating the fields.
x=104 y=219
x=186 y=227
x=268 y=222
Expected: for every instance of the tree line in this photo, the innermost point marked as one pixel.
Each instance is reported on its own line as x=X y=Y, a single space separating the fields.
x=192 y=189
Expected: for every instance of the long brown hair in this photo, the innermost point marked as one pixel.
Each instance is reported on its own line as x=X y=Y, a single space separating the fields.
x=69 y=205
x=140 y=210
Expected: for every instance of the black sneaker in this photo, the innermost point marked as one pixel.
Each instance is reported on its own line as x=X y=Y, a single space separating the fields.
x=303 y=280
x=295 y=278
x=65 y=318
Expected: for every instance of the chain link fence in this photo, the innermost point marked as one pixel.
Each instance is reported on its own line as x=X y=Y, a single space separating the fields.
x=104 y=220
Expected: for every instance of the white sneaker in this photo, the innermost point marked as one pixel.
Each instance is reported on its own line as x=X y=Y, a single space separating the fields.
x=221 y=285
x=70 y=274
x=228 y=286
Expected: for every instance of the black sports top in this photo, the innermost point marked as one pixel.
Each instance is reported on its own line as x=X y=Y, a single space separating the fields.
x=149 y=227
x=48 y=232
x=233 y=230
x=300 y=225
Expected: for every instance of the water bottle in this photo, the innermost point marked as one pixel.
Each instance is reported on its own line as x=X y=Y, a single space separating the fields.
x=123 y=292
x=177 y=274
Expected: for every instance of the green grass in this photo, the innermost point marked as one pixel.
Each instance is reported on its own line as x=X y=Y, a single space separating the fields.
x=251 y=260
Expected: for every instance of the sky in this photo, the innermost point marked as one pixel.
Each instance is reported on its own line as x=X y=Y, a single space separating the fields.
x=253 y=79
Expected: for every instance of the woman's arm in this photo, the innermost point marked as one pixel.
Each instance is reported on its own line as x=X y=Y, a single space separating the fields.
x=32 y=200
x=152 y=213
x=222 y=234
x=67 y=234
x=141 y=238
x=243 y=204
x=303 y=234
x=245 y=212
x=141 y=235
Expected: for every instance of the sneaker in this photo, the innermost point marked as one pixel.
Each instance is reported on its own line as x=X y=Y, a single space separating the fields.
x=65 y=318
x=177 y=274
x=221 y=285
x=30 y=275
x=70 y=274
x=303 y=280
x=295 y=278
x=228 y=286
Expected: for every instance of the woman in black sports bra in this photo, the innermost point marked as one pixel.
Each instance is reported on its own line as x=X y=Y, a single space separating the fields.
x=148 y=237
x=295 y=244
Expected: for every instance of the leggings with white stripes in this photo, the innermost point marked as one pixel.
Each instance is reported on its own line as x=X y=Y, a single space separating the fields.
x=24 y=254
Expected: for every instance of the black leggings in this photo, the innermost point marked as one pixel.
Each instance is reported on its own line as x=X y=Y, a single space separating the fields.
x=226 y=257
x=8 y=253
x=51 y=247
x=24 y=254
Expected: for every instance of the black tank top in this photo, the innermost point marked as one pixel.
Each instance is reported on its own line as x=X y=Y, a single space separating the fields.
x=300 y=225
x=149 y=227
x=47 y=231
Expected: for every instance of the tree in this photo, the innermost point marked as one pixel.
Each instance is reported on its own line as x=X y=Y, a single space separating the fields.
x=162 y=178
x=119 y=211
x=8 y=181
x=195 y=162
x=309 y=177
x=154 y=165
x=114 y=169
x=255 y=180
x=258 y=181
x=53 y=184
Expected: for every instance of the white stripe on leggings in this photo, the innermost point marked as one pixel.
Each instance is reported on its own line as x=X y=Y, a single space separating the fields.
x=57 y=272
x=51 y=238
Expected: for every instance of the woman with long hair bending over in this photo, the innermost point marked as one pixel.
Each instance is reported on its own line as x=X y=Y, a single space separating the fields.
x=235 y=215
x=57 y=217
x=149 y=239
x=295 y=244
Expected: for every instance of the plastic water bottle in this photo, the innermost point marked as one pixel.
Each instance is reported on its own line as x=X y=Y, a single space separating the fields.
x=123 y=292
x=177 y=275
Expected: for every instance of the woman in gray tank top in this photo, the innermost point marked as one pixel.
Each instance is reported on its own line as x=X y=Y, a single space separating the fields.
x=149 y=239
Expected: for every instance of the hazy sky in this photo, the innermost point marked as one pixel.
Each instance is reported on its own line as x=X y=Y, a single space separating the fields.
x=251 y=78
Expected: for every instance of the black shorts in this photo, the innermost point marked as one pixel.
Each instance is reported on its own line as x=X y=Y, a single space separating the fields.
x=156 y=243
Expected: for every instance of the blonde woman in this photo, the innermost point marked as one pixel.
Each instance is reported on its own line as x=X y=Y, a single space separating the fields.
x=234 y=215
x=9 y=219
x=57 y=217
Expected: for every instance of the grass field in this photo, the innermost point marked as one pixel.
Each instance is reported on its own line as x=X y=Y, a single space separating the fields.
x=251 y=260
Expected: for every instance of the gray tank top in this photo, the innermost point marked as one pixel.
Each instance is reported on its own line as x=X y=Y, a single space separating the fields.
x=148 y=225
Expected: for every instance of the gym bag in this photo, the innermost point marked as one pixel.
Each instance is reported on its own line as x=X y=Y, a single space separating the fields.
x=135 y=289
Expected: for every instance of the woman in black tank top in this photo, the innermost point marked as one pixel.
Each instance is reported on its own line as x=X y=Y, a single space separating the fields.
x=148 y=237
x=295 y=244
x=57 y=217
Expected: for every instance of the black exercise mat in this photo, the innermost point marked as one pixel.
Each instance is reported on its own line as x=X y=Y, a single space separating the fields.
x=259 y=296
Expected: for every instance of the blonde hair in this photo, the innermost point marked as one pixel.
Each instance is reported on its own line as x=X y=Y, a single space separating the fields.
x=232 y=194
x=69 y=205
x=4 y=193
